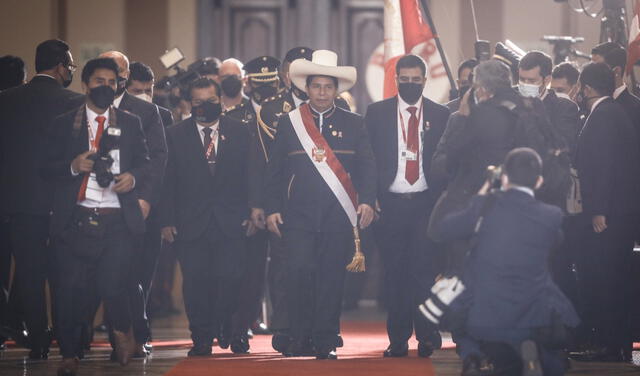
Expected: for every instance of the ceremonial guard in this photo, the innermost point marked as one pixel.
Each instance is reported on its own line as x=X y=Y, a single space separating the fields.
x=319 y=190
x=263 y=81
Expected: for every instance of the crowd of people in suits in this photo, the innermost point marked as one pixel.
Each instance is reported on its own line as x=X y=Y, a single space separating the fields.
x=260 y=179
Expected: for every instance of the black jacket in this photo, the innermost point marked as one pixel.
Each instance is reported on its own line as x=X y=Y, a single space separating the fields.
x=294 y=187
x=62 y=147
x=166 y=116
x=26 y=114
x=154 y=132
x=381 y=121
x=564 y=117
x=608 y=162
x=631 y=105
x=191 y=196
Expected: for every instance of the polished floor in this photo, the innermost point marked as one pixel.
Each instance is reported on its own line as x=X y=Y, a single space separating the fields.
x=172 y=335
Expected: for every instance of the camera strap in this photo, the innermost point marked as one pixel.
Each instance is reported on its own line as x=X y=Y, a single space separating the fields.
x=484 y=210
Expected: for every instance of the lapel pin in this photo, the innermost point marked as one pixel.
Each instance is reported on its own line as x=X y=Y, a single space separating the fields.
x=427 y=126
x=334 y=133
x=340 y=134
x=222 y=137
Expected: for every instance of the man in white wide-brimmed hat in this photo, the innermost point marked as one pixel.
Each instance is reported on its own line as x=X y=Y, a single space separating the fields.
x=320 y=187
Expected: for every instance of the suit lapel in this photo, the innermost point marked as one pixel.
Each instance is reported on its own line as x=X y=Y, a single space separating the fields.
x=391 y=132
x=194 y=143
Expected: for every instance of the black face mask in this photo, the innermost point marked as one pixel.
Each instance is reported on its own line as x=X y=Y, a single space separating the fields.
x=231 y=86
x=410 y=92
x=102 y=96
x=299 y=93
x=263 y=92
x=122 y=84
x=583 y=102
x=207 y=112
x=67 y=82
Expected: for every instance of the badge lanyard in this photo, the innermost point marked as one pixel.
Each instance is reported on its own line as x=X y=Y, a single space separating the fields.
x=92 y=138
x=404 y=133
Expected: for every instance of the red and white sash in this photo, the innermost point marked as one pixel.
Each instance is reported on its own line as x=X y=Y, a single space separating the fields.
x=325 y=161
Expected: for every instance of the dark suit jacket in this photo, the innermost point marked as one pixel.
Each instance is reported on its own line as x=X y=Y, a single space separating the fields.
x=26 y=113
x=631 y=105
x=294 y=187
x=507 y=275
x=156 y=143
x=62 y=147
x=608 y=162
x=166 y=116
x=191 y=196
x=381 y=121
x=564 y=117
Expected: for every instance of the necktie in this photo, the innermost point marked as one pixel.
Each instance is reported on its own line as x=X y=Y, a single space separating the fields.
x=413 y=144
x=82 y=193
x=209 y=150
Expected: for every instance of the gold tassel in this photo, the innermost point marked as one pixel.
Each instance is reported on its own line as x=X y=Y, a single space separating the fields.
x=357 y=264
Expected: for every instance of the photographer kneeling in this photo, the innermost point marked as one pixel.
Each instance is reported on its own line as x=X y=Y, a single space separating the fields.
x=510 y=297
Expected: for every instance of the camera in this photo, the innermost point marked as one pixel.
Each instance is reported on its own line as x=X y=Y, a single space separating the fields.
x=102 y=160
x=493 y=175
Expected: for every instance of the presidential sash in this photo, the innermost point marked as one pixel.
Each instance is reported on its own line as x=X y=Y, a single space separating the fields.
x=332 y=172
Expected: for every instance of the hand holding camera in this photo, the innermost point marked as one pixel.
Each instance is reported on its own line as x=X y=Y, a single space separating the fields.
x=83 y=163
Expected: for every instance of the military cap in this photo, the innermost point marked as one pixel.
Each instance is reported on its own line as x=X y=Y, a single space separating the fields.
x=298 y=53
x=262 y=69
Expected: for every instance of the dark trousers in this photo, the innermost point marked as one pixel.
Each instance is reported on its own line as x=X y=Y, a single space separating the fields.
x=252 y=285
x=89 y=265
x=5 y=273
x=411 y=263
x=212 y=269
x=29 y=244
x=316 y=268
x=604 y=270
x=278 y=286
x=144 y=266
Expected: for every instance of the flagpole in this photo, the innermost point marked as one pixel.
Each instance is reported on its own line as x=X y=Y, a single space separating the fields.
x=453 y=93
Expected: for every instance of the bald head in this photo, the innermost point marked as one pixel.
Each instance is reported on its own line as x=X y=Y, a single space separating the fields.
x=121 y=59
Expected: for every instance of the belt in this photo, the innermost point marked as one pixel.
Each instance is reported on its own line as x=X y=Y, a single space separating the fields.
x=99 y=211
x=409 y=195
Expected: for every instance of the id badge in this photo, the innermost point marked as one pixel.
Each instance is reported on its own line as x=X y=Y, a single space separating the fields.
x=408 y=155
x=115 y=155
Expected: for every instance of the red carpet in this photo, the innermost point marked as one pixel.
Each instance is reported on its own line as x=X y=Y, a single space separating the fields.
x=361 y=355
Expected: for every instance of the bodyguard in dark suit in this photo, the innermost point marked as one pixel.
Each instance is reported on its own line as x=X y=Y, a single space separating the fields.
x=317 y=233
x=510 y=296
x=147 y=258
x=404 y=132
x=27 y=113
x=95 y=224
x=608 y=164
x=204 y=210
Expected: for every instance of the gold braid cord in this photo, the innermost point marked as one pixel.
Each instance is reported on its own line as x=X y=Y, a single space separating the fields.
x=357 y=264
x=269 y=131
x=263 y=77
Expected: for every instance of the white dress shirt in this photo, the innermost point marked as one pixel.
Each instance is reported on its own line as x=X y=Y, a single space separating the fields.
x=400 y=183
x=96 y=196
x=596 y=103
x=619 y=91
x=118 y=100
x=214 y=135
x=297 y=101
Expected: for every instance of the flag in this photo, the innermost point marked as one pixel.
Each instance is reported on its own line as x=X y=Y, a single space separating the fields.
x=633 y=52
x=406 y=32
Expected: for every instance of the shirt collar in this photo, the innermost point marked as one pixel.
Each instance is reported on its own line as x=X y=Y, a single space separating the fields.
x=526 y=190
x=544 y=95
x=118 y=100
x=596 y=103
x=45 y=75
x=256 y=107
x=325 y=114
x=91 y=115
x=214 y=127
x=619 y=91
x=403 y=106
x=297 y=101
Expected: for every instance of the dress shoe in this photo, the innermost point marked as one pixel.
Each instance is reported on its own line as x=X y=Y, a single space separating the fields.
x=327 y=355
x=339 y=341
x=68 y=367
x=200 y=350
x=139 y=351
x=259 y=328
x=425 y=349
x=280 y=342
x=396 y=350
x=240 y=345
x=530 y=362
x=474 y=365
x=224 y=336
x=302 y=347
x=123 y=345
x=148 y=346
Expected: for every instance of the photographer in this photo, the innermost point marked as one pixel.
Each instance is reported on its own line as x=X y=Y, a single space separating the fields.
x=96 y=157
x=510 y=297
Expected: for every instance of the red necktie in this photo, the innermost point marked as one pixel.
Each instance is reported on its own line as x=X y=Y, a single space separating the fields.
x=413 y=144
x=82 y=193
